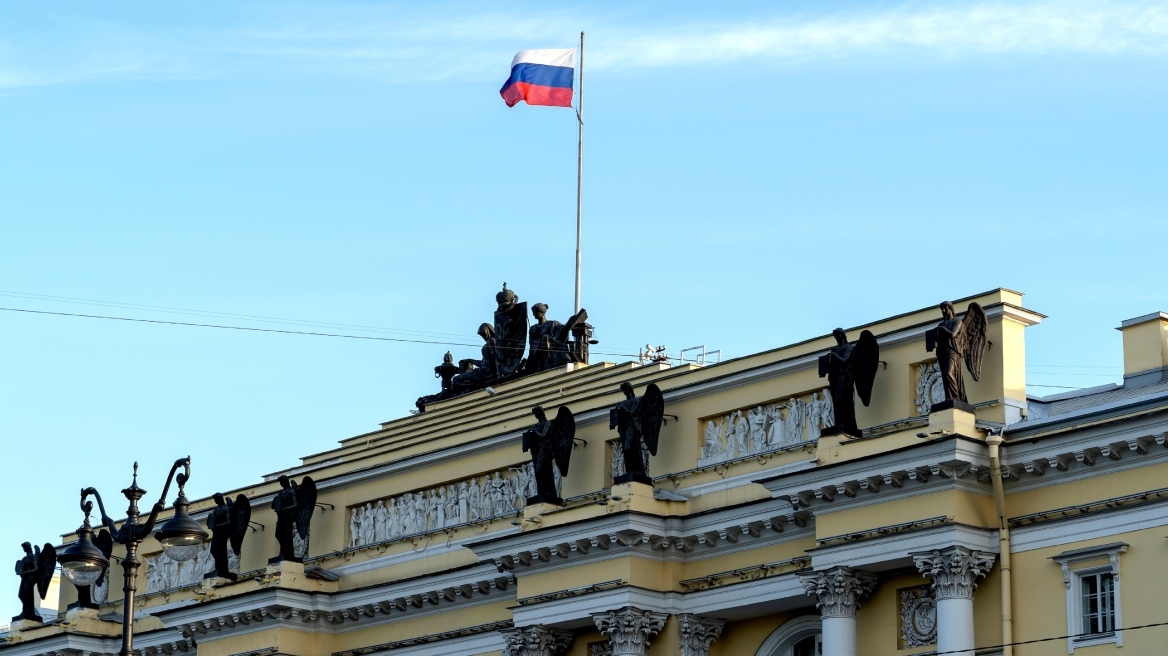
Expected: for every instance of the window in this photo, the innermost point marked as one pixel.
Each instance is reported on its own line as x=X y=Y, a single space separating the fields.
x=1093 y=595
x=1097 y=602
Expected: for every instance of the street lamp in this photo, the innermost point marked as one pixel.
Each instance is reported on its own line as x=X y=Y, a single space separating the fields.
x=180 y=536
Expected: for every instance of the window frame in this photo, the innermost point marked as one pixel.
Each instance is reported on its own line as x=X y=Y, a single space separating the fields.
x=1073 y=580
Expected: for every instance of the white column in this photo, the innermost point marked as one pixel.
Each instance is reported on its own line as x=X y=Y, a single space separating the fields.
x=535 y=641
x=698 y=633
x=954 y=572
x=838 y=592
x=629 y=629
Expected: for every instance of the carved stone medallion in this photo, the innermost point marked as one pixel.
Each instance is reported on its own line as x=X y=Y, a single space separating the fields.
x=917 y=609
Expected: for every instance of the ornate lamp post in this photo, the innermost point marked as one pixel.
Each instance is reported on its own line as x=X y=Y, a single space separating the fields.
x=180 y=536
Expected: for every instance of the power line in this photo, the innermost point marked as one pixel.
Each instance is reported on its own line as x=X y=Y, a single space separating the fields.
x=993 y=648
x=268 y=330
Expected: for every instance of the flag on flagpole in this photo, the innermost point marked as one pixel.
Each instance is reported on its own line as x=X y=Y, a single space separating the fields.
x=541 y=77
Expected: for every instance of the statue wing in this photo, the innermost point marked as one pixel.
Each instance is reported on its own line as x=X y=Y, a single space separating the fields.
x=652 y=411
x=560 y=437
x=865 y=361
x=105 y=543
x=306 y=502
x=976 y=327
x=240 y=516
x=46 y=565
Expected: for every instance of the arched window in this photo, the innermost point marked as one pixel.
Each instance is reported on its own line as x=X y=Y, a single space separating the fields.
x=798 y=637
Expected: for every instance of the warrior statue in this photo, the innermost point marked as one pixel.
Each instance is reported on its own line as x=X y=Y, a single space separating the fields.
x=35 y=570
x=850 y=370
x=956 y=340
x=477 y=374
x=228 y=523
x=637 y=420
x=550 y=444
x=293 y=505
x=510 y=332
x=550 y=341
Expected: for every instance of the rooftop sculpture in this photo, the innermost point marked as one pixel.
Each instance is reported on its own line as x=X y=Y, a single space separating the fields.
x=956 y=340
x=850 y=370
x=228 y=523
x=35 y=570
x=638 y=421
x=550 y=444
x=504 y=343
x=294 y=505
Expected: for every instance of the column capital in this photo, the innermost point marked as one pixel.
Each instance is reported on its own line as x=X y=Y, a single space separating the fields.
x=838 y=590
x=535 y=641
x=698 y=633
x=954 y=571
x=629 y=629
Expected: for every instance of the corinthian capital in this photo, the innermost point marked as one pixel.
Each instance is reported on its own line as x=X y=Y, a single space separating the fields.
x=838 y=590
x=698 y=633
x=535 y=641
x=629 y=629
x=954 y=571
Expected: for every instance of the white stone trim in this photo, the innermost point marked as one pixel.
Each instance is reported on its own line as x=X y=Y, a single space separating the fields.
x=893 y=551
x=1072 y=581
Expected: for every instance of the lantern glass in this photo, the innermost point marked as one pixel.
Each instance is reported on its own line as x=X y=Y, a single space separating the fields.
x=82 y=572
x=182 y=548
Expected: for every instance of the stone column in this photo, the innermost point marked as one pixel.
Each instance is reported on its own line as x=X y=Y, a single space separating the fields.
x=838 y=592
x=535 y=641
x=954 y=572
x=629 y=629
x=698 y=633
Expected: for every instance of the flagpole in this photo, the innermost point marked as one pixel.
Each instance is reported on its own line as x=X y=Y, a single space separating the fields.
x=579 y=169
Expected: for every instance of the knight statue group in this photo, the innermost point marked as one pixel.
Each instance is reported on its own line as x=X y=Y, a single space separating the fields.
x=548 y=344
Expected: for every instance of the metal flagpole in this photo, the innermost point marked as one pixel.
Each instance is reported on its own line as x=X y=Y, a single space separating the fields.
x=579 y=168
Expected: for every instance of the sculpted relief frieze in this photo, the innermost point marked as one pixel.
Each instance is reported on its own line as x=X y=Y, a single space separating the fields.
x=475 y=499
x=164 y=573
x=751 y=431
x=918 y=616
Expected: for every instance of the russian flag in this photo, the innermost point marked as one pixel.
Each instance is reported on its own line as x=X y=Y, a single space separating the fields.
x=541 y=77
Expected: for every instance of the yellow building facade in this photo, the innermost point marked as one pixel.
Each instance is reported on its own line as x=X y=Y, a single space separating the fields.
x=759 y=536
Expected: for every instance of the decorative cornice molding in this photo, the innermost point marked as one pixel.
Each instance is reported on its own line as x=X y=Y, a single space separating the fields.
x=954 y=571
x=629 y=629
x=838 y=591
x=698 y=633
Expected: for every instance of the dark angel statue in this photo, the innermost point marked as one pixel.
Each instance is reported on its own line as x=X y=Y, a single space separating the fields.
x=956 y=340
x=228 y=523
x=35 y=570
x=293 y=505
x=87 y=596
x=550 y=444
x=850 y=370
x=637 y=420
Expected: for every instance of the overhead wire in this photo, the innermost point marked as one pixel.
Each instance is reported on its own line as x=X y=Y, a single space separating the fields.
x=272 y=330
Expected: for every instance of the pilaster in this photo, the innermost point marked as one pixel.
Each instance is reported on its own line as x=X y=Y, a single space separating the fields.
x=698 y=633
x=629 y=629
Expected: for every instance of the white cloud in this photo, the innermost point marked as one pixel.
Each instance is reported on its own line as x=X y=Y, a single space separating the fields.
x=397 y=43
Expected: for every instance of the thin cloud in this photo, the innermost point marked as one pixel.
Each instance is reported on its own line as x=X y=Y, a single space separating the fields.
x=397 y=44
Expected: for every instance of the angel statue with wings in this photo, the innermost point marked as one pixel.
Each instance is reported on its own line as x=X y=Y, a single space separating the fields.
x=956 y=340
x=850 y=370
x=35 y=570
x=638 y=421
x=550 y=444
x=293 y=505
x=228 y=523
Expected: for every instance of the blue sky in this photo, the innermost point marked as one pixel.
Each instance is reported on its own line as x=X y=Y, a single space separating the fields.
x=755 y=174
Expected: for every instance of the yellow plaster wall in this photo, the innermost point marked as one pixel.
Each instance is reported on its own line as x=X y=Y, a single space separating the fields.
x=1145 y=346
x=962 y=507
x=1096 y=488
x=423 y=625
